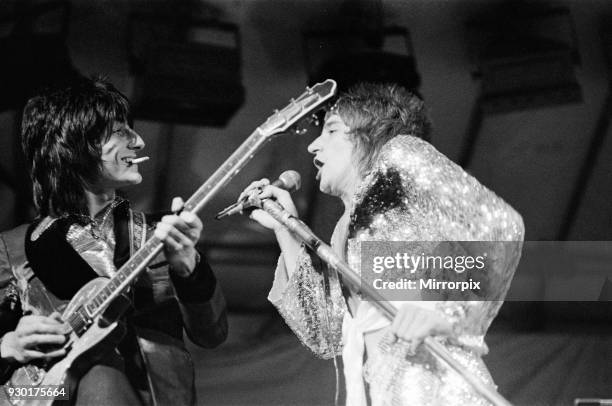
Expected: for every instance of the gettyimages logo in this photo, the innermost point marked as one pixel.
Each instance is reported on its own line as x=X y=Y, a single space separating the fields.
x=530 y=271
x=413 y=263
x=427 y=270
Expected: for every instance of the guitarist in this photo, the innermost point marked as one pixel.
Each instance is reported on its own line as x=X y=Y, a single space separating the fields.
x=80 y=148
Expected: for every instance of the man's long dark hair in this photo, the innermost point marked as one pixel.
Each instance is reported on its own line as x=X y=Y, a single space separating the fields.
x=375 y=113
x=62 y=134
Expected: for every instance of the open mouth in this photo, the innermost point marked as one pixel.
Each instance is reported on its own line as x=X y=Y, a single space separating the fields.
x=318 y=164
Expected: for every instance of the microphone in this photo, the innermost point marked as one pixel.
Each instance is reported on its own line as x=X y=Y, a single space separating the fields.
x=288 y=180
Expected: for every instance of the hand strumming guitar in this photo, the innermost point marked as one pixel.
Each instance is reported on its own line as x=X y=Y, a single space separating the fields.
x=25 y=343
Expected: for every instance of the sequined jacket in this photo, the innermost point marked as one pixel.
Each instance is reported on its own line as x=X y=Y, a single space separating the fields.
x=413 y=193
x=164 y=305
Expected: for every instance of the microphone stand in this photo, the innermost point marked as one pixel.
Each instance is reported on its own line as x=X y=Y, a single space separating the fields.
x=300 y=230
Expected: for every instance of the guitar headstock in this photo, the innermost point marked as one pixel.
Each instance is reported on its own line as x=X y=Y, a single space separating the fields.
x=298 y=108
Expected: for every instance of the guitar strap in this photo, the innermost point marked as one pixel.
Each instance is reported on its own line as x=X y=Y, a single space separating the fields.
x=138 y=231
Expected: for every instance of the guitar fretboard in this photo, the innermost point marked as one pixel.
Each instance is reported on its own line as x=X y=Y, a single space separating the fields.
x=277 y=123
x=137 y=263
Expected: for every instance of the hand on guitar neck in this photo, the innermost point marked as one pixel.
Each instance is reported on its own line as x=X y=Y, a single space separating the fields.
x=180 y=233
x=35 y=337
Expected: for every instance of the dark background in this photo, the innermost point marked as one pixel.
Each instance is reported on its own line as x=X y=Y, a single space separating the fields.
x=542 y=144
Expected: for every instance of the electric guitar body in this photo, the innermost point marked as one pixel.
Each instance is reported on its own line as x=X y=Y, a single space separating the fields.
x=100 y=337
x=93 y=312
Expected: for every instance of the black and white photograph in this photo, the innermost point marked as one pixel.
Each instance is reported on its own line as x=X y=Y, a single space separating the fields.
x=305 y=202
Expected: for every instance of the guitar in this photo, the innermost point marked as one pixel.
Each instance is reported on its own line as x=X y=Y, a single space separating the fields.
x=91 y=331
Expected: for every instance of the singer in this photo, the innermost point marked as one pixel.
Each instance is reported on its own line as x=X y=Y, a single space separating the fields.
x=373 y=154
x=80 y=148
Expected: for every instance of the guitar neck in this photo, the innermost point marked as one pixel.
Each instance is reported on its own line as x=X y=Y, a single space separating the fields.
x=153 y=246
x=227 y=171
x=280 y=121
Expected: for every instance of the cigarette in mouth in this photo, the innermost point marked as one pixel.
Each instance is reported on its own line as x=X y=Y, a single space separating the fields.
x=138 y=160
